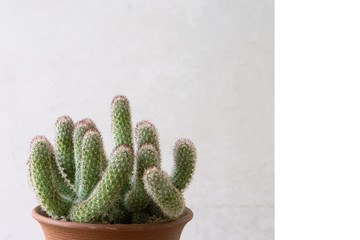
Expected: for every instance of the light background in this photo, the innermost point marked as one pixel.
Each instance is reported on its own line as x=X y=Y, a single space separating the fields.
x=197 y=69
x=317 y=120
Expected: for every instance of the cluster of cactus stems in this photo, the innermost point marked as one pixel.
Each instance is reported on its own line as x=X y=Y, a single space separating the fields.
x=77 y=182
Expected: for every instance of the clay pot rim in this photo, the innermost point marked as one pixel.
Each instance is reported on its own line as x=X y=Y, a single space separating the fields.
x=38 y=214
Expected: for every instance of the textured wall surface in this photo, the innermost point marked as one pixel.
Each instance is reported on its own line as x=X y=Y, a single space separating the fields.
x=197 y=69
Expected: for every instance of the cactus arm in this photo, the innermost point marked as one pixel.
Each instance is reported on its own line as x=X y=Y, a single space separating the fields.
x=80 y=129
x=108 y=188
x=166 y=196
x=42 y=178
x=146 y=133
x=137 y=199
x=90 y=167
x=121 y=127
x=65 y=148
x=185 y=160
x=63 y=184
x=121 y=122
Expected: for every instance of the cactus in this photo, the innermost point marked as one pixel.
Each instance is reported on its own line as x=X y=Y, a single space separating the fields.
x=76 y=182
x=184 y=166
x=146 y=133
x=159 y=186
x=137 y=198
x=90 y=167
x=65 y=148
x=121 y=121
x=107 y=189
x=42 y=160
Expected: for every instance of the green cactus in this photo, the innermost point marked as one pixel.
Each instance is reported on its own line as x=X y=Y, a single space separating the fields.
x=77 y=182
x=137 y=199
x=80 y=129
x=42 y=160
x=108 y=188
x=121 y=121
x=140 y=217
x=146 y=133
x=117 y=213
x=184 y=166
x=160 y=188
x=65 y=148
x=90 y=167
x=121 y=127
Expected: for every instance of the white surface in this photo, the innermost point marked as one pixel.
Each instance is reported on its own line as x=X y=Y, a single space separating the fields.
x=317 y=120
x=197 y=69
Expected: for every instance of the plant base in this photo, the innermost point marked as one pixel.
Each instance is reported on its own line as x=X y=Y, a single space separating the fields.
x=63 y=230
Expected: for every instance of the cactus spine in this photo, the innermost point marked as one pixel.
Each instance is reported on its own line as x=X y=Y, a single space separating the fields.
x=76 y=182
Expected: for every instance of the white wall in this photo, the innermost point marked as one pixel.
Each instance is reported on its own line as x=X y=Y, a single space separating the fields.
x=197 y=69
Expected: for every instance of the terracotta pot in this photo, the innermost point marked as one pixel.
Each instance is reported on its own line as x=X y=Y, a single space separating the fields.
x=63 y=230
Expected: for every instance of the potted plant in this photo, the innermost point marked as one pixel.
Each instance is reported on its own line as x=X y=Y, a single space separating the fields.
x=85 y=195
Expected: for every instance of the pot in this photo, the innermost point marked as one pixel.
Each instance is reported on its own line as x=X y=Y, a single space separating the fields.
x=64 y=230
